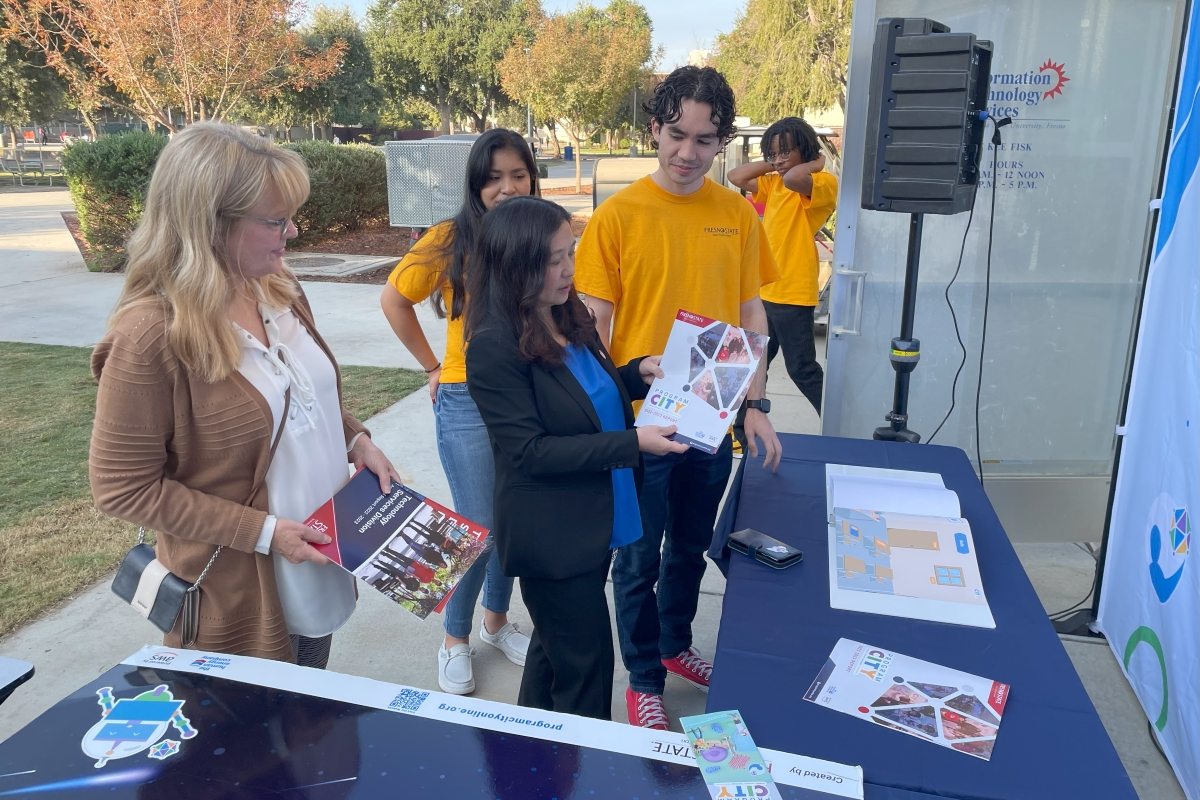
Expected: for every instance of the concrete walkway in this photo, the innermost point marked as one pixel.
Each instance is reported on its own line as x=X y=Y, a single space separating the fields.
x=47 y=296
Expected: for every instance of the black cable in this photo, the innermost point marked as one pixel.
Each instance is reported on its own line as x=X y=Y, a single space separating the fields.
x=954 y=317
x=1154 y=739
x=1057 y=614
x=987 y=285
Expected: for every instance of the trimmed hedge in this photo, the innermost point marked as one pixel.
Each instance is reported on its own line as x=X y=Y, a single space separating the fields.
x=349 y=189
x=108 y=179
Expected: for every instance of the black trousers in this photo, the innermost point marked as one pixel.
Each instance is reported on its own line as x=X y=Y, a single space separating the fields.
x=791 y=328
x=569 y=666
x=311 y=652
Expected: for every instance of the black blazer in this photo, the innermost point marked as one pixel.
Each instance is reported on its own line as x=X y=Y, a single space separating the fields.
x=554 y=497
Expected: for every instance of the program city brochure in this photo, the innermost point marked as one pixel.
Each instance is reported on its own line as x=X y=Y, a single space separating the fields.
x=728 y=759
x=402 y=544
x=931 y=702
x=708 y=367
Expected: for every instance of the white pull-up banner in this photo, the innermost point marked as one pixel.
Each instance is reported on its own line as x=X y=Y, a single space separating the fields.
x=1150 y=603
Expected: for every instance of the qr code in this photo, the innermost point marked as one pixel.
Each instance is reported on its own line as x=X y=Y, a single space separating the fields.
x=408 y=700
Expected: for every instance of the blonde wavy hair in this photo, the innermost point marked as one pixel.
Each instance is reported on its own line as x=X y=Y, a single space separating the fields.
x=209 y=175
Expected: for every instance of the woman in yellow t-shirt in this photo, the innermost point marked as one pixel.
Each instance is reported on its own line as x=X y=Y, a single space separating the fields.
x=500 y=166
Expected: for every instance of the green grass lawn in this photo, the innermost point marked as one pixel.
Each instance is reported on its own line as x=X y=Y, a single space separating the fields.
x=55 y=543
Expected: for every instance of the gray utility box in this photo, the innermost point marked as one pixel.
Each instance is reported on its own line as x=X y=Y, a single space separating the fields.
x=425 y=179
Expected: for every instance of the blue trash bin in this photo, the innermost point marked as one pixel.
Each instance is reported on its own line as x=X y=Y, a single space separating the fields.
x=568 y=153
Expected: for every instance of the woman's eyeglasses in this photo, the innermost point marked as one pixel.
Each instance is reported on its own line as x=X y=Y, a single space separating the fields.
x=782 y=154
x=279 y=224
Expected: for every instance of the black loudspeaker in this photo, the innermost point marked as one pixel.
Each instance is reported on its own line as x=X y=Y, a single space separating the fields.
x=924 y=129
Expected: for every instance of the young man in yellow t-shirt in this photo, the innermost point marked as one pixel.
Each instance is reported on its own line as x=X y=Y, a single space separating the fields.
x=675 y=240
x=799 y=197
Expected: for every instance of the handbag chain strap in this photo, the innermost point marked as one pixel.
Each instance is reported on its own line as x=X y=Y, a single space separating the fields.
x=287 y=404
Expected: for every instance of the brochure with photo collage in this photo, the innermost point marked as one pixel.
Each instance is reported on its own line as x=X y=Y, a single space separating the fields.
x=708 y=367
x=402 y=544
x=931 y=702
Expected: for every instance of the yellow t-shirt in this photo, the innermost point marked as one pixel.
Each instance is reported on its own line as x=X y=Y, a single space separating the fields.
x=791 y=221
x=652 y=253
x=416 y=277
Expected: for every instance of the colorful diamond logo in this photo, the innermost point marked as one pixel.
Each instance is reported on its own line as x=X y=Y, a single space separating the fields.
x=165 y=748
x=1181 y=532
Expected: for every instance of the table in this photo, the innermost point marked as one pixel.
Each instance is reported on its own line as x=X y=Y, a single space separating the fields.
x=181 y=724
x=777 y=630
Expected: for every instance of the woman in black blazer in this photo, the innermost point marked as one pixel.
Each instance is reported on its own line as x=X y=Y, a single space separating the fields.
x=567 y=455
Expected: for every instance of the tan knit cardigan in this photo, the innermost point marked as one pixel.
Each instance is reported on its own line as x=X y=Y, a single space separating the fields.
x=179 y=455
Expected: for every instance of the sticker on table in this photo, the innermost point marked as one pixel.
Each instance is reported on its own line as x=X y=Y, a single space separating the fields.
x=129 y=726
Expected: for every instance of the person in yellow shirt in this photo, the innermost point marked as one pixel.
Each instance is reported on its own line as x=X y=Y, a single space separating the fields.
x=499 y=167
x=675 y=240
x=799 y=196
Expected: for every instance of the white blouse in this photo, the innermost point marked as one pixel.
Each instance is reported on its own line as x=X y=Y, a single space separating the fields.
x=309 y=465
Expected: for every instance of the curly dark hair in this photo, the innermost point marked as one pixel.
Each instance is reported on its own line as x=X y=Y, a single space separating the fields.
x=794 y=134
x=700 y=84
x=508 y=271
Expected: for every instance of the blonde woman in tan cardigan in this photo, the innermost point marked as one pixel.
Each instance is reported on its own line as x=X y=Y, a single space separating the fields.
x=208 y=336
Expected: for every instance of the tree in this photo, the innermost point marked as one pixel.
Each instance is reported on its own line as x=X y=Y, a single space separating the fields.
x=29 y=91
x=86 y=90
x=348 y=96
x=785 y=56
x=579 y=66
x=202 y=57
x=445 y=52
x=408 y=113
x=620 y=119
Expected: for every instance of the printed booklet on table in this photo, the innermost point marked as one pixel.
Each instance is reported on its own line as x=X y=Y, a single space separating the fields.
x=708 y=368
x=728 y=760
x=928 y=701
x=898 y=546
x=404 y=545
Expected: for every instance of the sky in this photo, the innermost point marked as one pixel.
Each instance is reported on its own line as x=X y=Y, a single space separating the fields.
x=679 y=25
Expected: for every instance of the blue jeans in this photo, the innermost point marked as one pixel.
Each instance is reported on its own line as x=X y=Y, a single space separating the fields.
x=466 y=455
x=679 y=498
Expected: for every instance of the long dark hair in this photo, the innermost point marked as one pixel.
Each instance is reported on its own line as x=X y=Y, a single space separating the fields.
x=794 y=134
x=465 y=224
x=508 y=271
x=699 y=84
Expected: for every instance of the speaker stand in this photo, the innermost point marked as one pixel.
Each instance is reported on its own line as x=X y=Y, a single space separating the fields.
x=906 y=351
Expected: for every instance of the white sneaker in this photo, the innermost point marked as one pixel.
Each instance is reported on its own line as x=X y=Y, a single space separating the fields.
x=508 y=640
x=454 y=669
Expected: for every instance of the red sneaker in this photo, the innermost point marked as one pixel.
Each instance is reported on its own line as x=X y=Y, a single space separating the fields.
x=691 y=667
x=646 y=710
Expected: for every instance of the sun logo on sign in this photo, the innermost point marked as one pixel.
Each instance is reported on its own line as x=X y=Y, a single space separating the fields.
x=1060 y=71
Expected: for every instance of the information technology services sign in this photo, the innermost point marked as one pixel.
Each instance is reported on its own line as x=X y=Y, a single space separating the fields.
x=1150 y=605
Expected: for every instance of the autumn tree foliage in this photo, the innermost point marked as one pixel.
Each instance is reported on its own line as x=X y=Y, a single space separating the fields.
x=580 y=65
x=202 y=57
x=785 y=56
x=347 y=97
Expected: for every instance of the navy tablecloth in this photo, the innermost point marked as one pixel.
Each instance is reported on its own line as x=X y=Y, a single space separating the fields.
x=777 y=630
